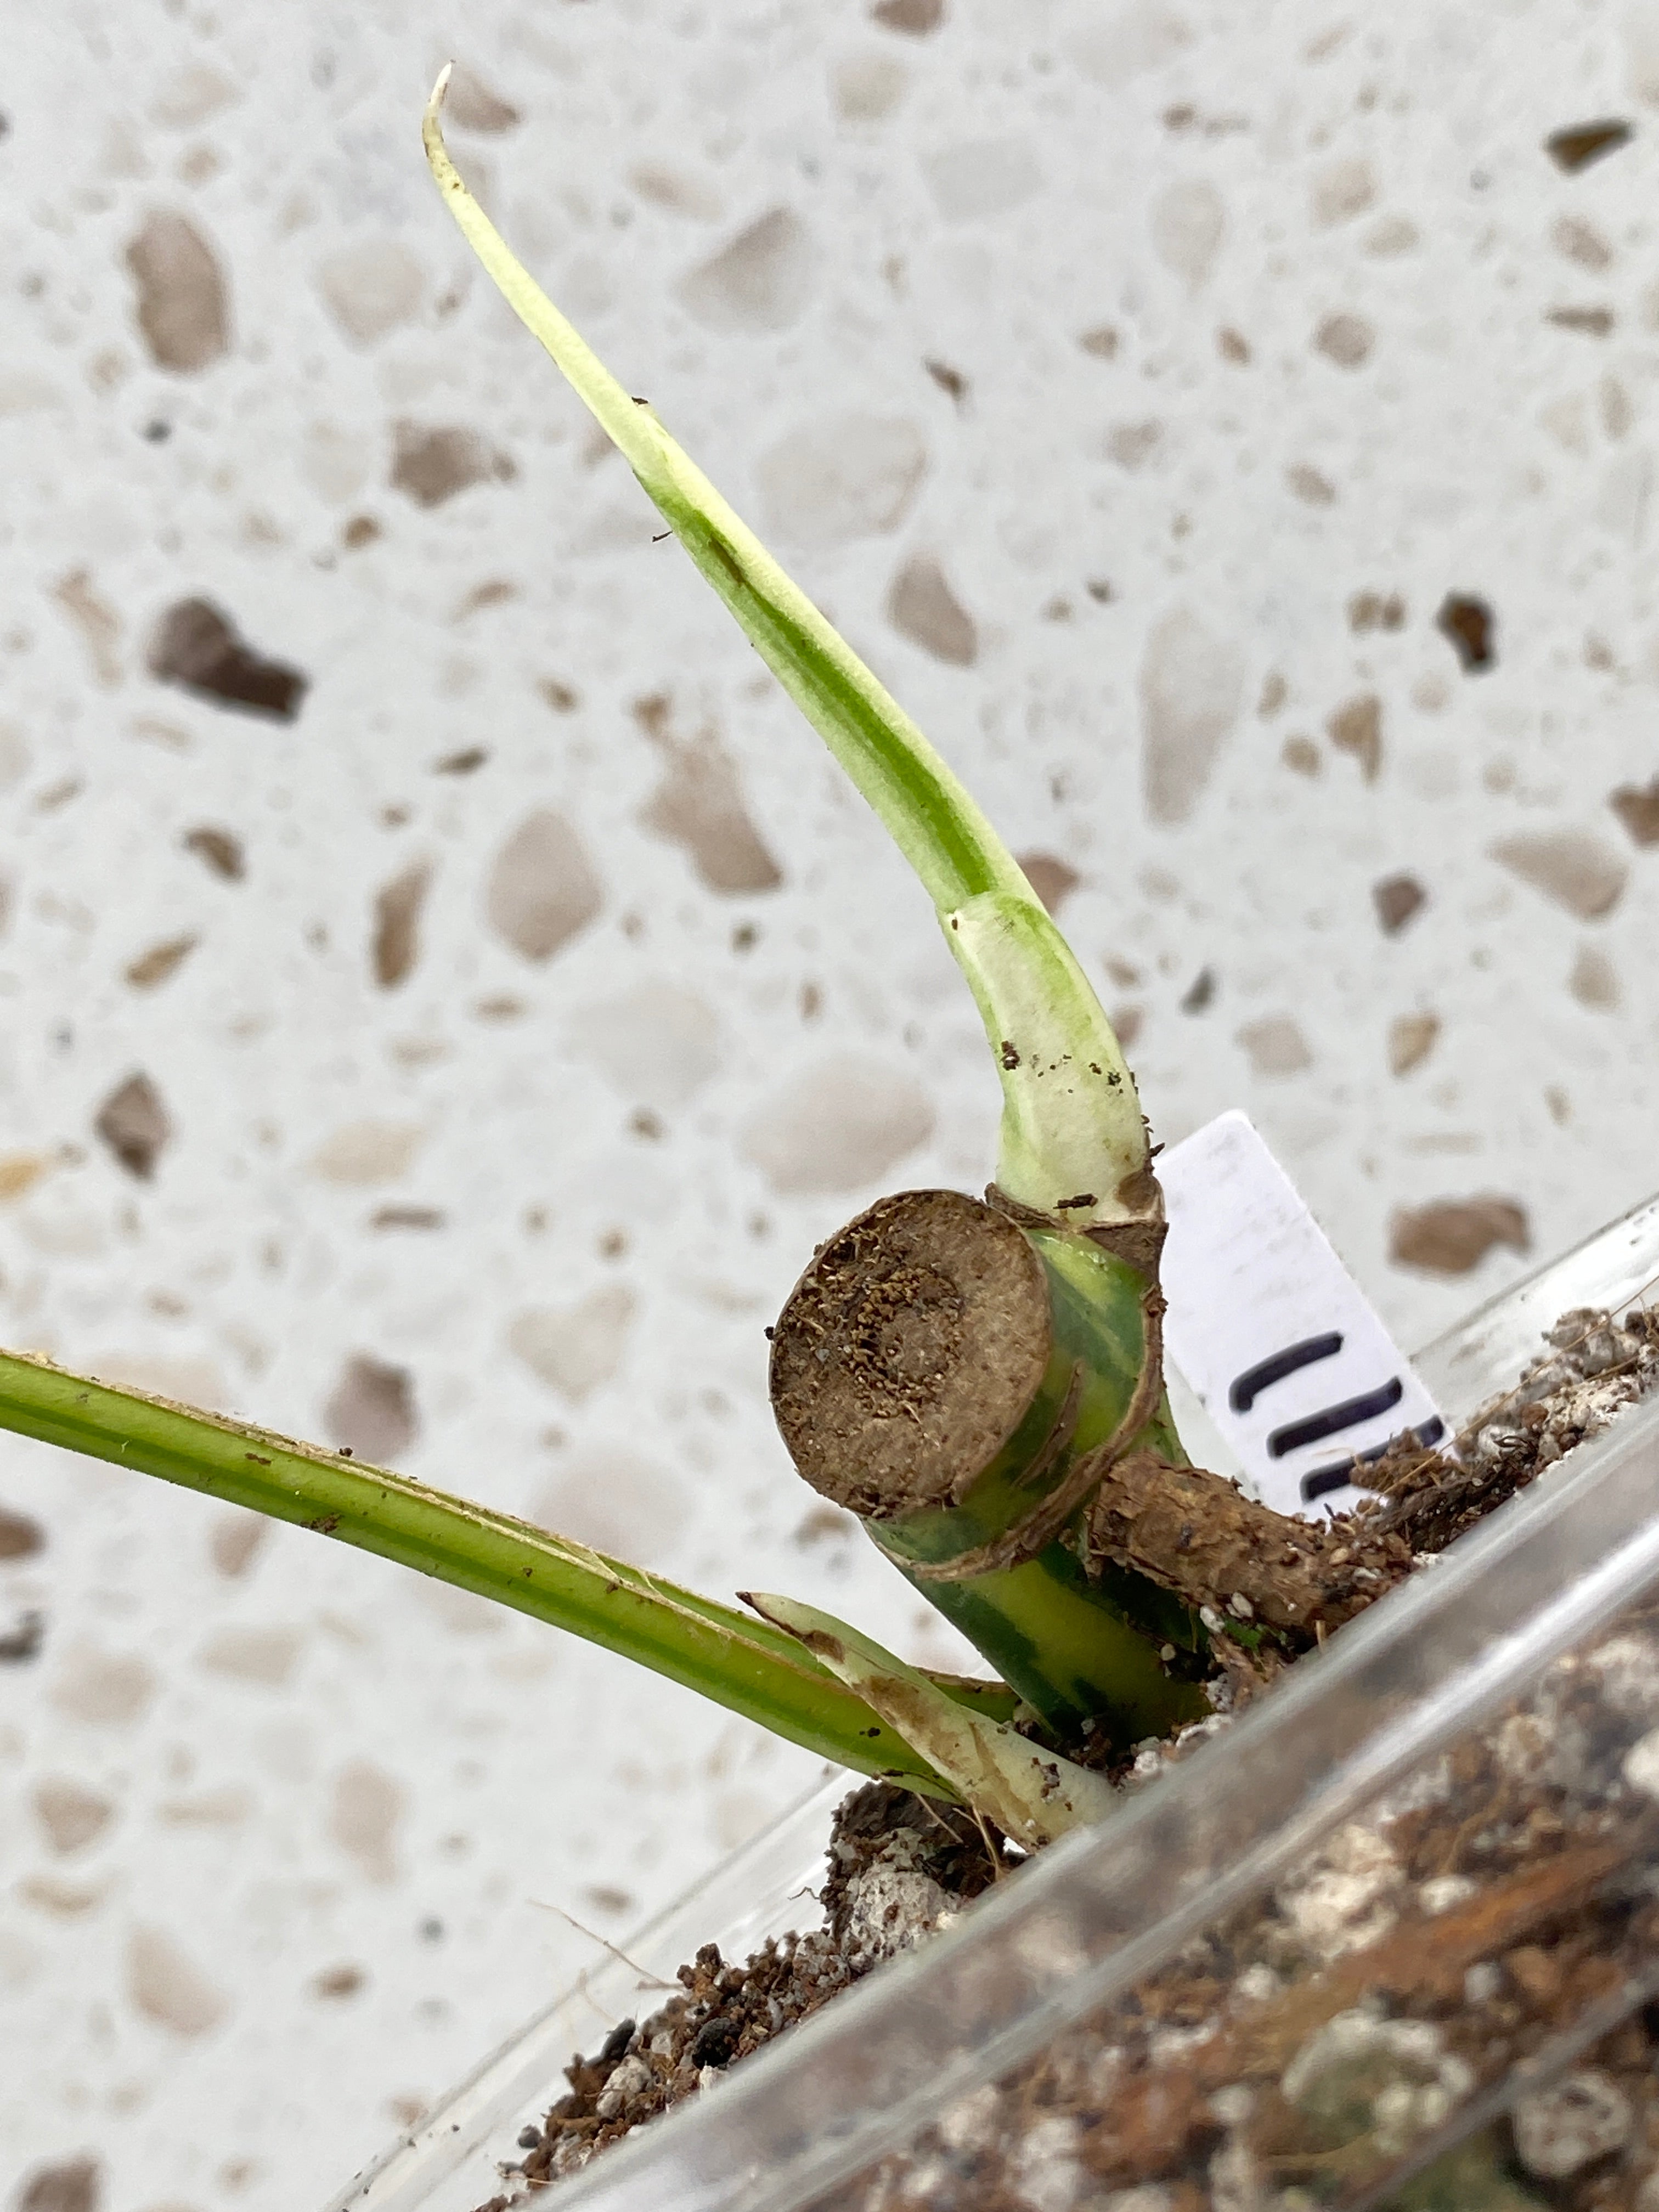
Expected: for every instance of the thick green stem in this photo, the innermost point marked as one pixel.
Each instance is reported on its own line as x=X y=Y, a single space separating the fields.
x=739 y=1662
x=964 y=1383
x=1076 y=1649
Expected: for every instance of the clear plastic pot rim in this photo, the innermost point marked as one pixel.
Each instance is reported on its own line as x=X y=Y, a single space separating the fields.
x=1101 y=1911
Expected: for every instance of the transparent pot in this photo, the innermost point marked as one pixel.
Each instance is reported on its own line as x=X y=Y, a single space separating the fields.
x=1493 y=1647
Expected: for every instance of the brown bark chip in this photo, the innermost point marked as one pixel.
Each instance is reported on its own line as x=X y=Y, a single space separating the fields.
x=909 y=1352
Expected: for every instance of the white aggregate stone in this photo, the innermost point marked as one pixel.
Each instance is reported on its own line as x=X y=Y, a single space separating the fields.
x=1584 y=2117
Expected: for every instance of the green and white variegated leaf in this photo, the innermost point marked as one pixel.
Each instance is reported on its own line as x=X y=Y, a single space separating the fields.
x=1034 y=1796
x=1060 y=1139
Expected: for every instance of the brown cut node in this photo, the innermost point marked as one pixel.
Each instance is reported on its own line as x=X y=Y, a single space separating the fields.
x=1196 y=1534
x=1138 y=1243
x=909 y=1352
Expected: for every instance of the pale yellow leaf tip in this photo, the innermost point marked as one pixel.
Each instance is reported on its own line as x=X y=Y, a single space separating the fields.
x=432 y=137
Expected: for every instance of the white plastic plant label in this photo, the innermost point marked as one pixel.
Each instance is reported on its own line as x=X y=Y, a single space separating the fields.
x=1276 y=1340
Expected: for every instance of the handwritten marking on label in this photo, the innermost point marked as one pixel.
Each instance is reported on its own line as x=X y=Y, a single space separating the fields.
x=1280 y=1346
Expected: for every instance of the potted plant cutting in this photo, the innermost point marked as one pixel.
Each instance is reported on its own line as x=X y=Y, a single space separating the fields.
x=980 y=1381
x=1042 y=1369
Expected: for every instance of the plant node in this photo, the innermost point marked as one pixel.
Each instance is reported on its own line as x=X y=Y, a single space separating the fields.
x=963 y=1376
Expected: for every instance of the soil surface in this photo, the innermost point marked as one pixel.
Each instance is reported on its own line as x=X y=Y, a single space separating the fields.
x=1301 y=2053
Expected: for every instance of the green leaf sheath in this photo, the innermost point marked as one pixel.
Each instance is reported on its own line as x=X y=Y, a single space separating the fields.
x=1032 y=1794
x=1076 y=1649
x=739 y=1662
x=1062 y=1135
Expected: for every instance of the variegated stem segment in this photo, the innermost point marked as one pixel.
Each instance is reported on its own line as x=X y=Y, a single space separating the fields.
x=1112 y=1648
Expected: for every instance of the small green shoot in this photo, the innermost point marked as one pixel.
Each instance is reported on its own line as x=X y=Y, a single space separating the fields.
x=1073 y=1143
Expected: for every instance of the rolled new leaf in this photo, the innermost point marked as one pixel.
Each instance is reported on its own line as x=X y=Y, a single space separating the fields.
x=963 y=1385
x=1071 y=1137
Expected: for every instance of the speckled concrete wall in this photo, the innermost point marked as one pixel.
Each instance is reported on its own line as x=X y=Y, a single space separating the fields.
x=445 y=993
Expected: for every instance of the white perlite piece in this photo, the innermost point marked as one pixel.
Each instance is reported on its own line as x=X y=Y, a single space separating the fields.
x=1401 y=2067
x=1625 y=1673
x=891 y=1909
x=1235 y=2184
x=1594 y=1369
x=971 y=2123
x=1641 y=1765
x=633 y=2075
x=1544 y=1747
x=1559 y=2129
x=1047 y=2171
x=1442 y=1892
x=1344 y=1904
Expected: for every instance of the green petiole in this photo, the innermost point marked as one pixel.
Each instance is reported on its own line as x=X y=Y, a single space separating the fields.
x=740 y=1663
